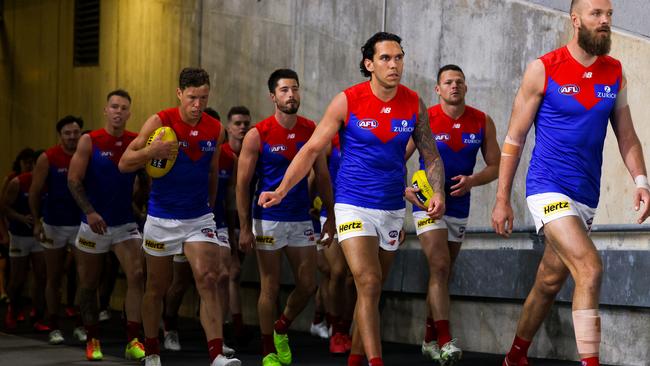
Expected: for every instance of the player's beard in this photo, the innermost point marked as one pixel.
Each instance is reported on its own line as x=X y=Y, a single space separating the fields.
x=592 y=42
x=289 y=108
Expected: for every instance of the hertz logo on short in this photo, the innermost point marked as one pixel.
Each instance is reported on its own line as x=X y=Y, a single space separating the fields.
x=556 y=207
x=351 y=226
x=265 y=240
x=87 y=243
x=425 y=222
x=154 y=245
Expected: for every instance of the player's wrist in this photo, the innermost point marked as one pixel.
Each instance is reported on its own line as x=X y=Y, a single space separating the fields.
x=641 y=181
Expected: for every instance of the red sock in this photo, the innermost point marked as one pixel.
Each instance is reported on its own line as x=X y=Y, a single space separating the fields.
x=215 y=348
x=151 y=346
x=318 y=317
x=282 y=325
x=336 y=325
x=442 y=328
x=377 y=361
x=238 y=324
x=267 y=344
x=355 y=360
x=519 y=349
x=132 y=330
x=430 y=334
x=92 y=331
x=590 y=361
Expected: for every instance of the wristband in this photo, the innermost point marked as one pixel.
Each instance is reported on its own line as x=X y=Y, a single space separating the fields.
x=641 y=181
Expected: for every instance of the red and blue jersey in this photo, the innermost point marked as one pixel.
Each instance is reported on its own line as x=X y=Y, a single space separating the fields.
x=373 y=144
x=278 y=147
x=59 y=207
x=182 y=193
x=571 y=125
x=21 y=205
x=226 y=167
x=458 y=141
x=109 y=191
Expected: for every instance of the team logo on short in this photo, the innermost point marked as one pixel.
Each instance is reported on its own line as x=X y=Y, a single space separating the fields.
x=425 y=222
x=208 y=232
x=264 y=240
x=350 y=227
x=604 y=91
x=556 y=207
x=393 y=234
x=399 y=126
x=154 y=245
x=277 y=148
x=367 y=124
x=309 y=232
x=222 y=238
x=569 y=89
x=87 y=243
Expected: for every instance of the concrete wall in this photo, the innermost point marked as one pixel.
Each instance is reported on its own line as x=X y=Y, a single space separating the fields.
x=143 y=46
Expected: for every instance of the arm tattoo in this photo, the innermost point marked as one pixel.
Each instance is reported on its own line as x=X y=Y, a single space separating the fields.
x=79 y=194
x=428 y=150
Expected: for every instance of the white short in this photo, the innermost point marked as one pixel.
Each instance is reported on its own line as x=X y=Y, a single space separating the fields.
x=165 y=237
x=546 y=207
x=352 y=221
x=91 y=242
x=274 y=235
x=59 y=236
x=22 y=246
x=222 y=234
x=455 y=226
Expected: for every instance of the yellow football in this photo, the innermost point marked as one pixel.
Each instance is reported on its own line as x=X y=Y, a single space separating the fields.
x=157 y=168
x=419 y=180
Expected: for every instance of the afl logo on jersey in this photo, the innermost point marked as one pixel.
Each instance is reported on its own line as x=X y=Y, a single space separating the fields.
x=569 y=89
x=367 y=124
x=442 y=137
x=277 y=148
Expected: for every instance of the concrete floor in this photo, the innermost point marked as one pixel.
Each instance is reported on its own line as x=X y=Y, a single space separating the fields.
x=26 y=348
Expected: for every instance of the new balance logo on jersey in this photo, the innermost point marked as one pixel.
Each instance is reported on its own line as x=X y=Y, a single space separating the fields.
x=118 y=143
x=554 y=207
x=194 y=133
x=385 y=110
x=291 y=136
x=587 y=75
x=456 y=125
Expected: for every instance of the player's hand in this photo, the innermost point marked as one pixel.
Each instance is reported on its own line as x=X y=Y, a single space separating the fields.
x=464 y=185
x=327 y=233
x=268 y=199
x=402 y=237
x=27 y=220
x=96 y=223
x=436 y=206
x=409 y=194
x=642 y=195
x=502 y=218
x=246 y=241
x=39 y=233
x=162 y=149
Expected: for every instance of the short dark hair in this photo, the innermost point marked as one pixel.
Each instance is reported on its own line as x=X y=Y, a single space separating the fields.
x=212 y=113
x=120 y=93
x=193 y=76
x=281 y=74
x=238 y=109
x=368 y=49
x=67 y=120
x=24 y=154
x=447 y=68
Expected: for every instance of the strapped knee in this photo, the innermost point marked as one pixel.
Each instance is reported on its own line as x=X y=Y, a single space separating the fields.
x=586 y=324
